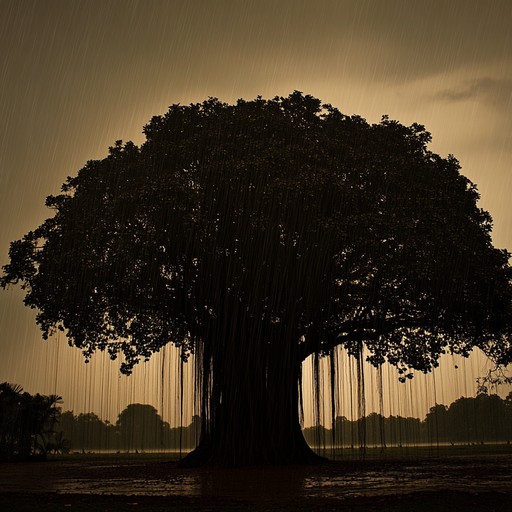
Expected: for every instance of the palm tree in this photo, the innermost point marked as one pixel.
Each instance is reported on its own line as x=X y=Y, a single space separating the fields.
x=10 y=395
x=27 y=423
x=45 y=413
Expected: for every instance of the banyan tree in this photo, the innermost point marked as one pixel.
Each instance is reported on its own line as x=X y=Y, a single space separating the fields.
x=255 y=235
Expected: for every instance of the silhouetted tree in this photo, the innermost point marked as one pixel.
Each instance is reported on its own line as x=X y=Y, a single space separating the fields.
x=255 y=235
x=483 y=418
x=27 y=422
x=57 y=443
x=87 y=432
x=140 y=427
x=10 y=398
x=184 y=437
x=91 y=431
x=437 y=424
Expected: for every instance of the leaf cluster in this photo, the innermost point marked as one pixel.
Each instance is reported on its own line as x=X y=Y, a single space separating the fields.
x=284 y=215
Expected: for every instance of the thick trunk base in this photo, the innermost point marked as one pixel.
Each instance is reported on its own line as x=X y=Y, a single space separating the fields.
x=208 y=454
x=250 y=401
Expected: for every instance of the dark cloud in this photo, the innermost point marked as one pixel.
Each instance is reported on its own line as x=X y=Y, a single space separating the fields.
x=178 y=39
x=497 y=91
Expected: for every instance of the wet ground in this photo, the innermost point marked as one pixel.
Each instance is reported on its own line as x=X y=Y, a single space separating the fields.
x=483 y=480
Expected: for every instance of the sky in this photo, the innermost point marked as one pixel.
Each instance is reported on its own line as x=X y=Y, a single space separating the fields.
x=77 y=75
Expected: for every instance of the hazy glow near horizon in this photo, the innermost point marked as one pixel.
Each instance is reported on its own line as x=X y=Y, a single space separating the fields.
x=77 y=76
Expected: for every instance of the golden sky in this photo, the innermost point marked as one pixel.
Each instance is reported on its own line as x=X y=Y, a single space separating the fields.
x=76 y=75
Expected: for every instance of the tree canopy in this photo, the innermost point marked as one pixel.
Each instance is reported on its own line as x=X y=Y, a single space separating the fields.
x=263 y=232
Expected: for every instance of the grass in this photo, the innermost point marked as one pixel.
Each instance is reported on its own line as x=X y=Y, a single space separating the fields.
x=118 y=456
x=414 y=452
x=370 y=453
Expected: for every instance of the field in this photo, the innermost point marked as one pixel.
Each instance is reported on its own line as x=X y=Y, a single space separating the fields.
x=451 y=479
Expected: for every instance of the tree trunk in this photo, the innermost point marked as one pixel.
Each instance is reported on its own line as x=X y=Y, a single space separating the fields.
x=250 y=408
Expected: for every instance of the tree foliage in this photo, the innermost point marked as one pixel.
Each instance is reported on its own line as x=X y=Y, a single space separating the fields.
x=259 y=233
x=484 y=418
x=138 y=428
x=28 y=423
x=468 y=420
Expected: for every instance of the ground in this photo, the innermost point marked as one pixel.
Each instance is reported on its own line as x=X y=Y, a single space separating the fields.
x=469 y=479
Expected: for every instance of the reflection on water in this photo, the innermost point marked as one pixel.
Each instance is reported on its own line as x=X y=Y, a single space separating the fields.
x=336 y=480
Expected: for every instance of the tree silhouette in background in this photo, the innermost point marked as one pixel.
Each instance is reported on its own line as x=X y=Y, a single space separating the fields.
x=255 y=235
x=140 y=427
x=484 y=418
x=87 y=432
x=28 y=423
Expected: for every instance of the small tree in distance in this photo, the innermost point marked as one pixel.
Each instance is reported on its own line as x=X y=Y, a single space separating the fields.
x=256 y=234
x=140 y=427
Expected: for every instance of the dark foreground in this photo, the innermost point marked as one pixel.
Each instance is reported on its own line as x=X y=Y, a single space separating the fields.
x=449 y=501
x=481 y=482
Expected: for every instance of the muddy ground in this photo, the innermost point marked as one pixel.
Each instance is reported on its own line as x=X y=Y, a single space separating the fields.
x=480 y=482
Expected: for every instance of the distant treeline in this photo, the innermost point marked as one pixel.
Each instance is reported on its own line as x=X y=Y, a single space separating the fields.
x=483 y=419
x=139 y=427
x=33 y=426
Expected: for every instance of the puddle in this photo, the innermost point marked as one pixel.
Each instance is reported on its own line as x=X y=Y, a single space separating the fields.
x=336 y=480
